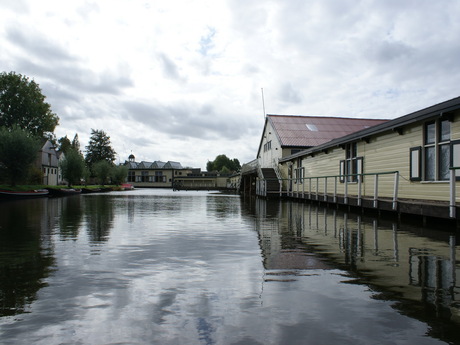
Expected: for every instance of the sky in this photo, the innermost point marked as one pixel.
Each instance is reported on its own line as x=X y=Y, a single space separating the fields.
x=182 y=80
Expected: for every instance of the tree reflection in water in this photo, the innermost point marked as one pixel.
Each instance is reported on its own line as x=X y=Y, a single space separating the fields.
x=99 y=217
x=25 y=260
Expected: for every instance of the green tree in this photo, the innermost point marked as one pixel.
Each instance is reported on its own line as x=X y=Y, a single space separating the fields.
x=102 y=170
x=22 y=104
x=221 y=162
x=76 y=143
x=64 y=144
x=99 y=149
x=72 y=166
x=119 y=174
x=18 y=150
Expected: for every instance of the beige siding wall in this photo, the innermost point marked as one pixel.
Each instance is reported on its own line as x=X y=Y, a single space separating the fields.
x=383 y=153
x=202 y=182
x=151 y=175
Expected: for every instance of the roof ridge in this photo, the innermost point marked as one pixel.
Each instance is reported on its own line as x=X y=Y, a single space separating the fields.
x=330 y=117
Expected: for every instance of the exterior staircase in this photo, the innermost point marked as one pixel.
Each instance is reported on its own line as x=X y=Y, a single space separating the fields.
x=273 y=184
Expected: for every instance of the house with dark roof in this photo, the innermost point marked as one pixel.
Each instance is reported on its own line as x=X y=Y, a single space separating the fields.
x=48 y=163
x=409 y=165
x=284 y=135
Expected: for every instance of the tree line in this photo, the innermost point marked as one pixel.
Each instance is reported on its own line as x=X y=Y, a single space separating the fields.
x=26 y=121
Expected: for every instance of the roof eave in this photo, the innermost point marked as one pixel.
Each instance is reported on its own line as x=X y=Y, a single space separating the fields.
x=436 y=110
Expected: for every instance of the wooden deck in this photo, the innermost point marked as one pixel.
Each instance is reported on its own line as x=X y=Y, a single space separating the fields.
x=401 y=208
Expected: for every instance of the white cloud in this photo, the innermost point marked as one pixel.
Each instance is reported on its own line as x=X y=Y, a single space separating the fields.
x=182 y=80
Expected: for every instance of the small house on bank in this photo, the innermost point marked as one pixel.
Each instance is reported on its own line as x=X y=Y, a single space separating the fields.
x=408 y=165
x=48 y=163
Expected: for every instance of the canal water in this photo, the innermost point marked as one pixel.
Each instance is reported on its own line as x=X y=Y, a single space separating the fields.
x=164 y=267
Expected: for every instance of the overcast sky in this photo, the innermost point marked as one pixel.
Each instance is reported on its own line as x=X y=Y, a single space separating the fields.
x=181 y=80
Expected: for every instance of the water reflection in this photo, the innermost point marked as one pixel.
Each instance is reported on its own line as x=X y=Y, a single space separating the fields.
x=71 y=217
x=26 y=259
x=206 y=268
x=418 y=273
x=99 y=216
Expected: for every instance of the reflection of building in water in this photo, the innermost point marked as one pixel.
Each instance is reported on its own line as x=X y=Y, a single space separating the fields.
x=391 y=258
x=279 y=249
x=436 y=276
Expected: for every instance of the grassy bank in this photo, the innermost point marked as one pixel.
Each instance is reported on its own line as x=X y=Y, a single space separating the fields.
x=23 y=188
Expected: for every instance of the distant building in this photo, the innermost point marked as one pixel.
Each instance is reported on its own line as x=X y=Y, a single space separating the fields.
x=154 y=174
x=171 y=174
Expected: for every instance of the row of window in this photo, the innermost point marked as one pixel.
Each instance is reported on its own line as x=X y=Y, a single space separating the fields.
x=430 y=162
x=145 y=177
x=268 y=146
x=48 y=171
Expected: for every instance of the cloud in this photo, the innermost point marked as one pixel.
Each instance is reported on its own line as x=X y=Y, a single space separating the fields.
x=190 y=73
x=170 y=69
x=37 y=47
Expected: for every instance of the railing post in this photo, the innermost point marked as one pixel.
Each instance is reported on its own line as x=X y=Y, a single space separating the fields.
x=345 y=198
x=335 y=189
x=325 y=188
x=359 y=189
x=303 y=187
x=395 y=192
x=297 y=187
x=452 y=203
x=317 y=188
x=376 y=190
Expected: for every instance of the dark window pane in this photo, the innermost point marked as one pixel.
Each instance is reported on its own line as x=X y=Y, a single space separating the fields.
x=430 y=163
x=444 y=130
x=430 y=133
x=444 y=162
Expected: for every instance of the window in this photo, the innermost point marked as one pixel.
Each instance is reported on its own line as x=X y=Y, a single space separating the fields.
x=268 y=146
x=299 y=172
x=352 y=165
x=131 y=176
x=159 y=176
x=437 y=150
x=415 y=158
x=145 y=176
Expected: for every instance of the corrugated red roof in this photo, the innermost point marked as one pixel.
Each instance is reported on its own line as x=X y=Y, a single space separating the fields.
x=316 y=130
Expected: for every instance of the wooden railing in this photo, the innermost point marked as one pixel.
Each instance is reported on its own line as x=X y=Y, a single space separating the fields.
x=319 y=187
